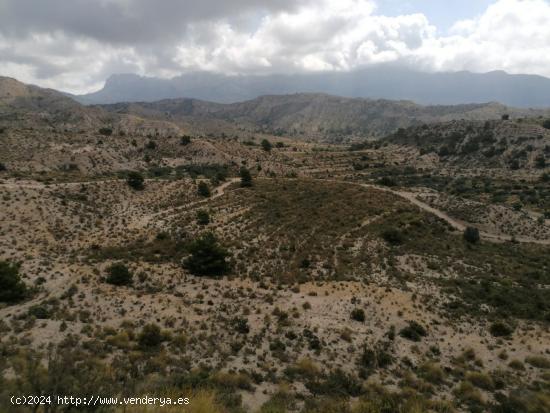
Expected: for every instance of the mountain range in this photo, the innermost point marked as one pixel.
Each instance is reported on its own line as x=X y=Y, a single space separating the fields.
x=380 y=82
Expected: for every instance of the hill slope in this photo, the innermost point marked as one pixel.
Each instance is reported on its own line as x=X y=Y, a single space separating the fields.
x=317 y=115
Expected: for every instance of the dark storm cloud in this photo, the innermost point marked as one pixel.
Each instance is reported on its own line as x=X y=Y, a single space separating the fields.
x=124 y=21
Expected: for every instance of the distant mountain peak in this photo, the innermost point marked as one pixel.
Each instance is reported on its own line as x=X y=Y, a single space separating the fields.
x=379 y=82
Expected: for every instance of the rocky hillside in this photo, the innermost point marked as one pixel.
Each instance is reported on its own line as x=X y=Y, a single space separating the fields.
x=316 y=115
x=523 y=143
x=39 y=107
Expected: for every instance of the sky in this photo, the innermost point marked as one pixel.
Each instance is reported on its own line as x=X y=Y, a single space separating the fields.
x=76 y=45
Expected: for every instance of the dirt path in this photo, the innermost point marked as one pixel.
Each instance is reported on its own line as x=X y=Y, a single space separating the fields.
x=456 y=224
x=220 y=191
x=217 y=192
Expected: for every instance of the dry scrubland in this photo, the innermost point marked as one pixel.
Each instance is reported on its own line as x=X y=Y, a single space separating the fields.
x=339 y=281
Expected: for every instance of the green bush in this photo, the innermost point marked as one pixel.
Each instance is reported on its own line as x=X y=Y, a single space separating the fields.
x=207 y=257
x=387 y=181
x=203 y=189
x=471 y=235
x=266 y=145
x=203 y=217
x=413 y=331
x=135 y=180
x=12 y=289
x=150 y=336
x=246 y=177
x=39 y=311
x=119 y=275
x=358 y=314
x=240 y=325
x=393 y=236
x=500 y=329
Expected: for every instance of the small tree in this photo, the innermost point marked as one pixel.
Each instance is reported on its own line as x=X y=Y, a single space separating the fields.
x=471 y=235
x=413 y=331
x=203 y=189
x=135 y=180
x=393 y=236
x=2 y=167
x=500 y=329
x=119 y=275
x=358 y=314
x=185 y=140
x=540 y=161
x=203 y=217
x=246 y=177
x=12 y=289
x=106 y=131
x=207 y=257
x=152 y=145
x=150 y=336
x=505 y=117
x=546 y=124
x=266 y=145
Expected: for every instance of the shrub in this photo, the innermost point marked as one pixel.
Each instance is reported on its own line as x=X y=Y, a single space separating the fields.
x=135 y=181
x=203 y=217
x=358 y=314
x=3 y=167
x=374 y=358
x=500 y=329
x=152 y=145
x=150 y=336
x=538 y=362
x=540 y=162
x=338 y=383
x=517 y=365
x=266 y=145
x=393 y=236
x=546 y=124
x=480 y=380
x=203 y=189
x=12 y=289
x=471 y=235
x=246 y=178
x=207 y=257
x=240 y=325
x=39 y=311
x=505 y=117
x=185 y=140
x=119 y=275
x=387 y=181
x=413 y=331
x=106 y=131
x=432 y=373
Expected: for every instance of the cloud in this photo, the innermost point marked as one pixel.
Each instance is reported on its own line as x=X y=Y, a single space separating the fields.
x=74 y=45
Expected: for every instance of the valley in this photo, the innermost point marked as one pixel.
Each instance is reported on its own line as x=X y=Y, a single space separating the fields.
x=300 y=253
